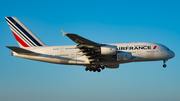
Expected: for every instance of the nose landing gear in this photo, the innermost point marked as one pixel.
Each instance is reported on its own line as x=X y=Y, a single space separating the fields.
x=164 y=65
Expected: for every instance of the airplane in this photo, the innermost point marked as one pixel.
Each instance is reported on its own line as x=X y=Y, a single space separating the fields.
x=94 y=56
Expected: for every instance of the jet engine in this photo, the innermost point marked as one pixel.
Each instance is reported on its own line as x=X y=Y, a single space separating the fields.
x=124 y=56
x=108 y=50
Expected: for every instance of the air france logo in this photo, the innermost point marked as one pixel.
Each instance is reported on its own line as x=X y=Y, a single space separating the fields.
x=154 y=47
x=140 y=47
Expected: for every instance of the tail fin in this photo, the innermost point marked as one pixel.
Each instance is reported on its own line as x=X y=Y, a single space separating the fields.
x=23 y=35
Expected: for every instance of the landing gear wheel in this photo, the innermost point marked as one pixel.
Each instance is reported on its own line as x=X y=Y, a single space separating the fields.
x=164 y=65
x=99 y=70
x=94 y=70
x=86 y=69
x=90 y=69
x=103 y=67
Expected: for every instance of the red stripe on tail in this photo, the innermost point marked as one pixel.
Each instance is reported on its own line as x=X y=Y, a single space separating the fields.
x=20 y=41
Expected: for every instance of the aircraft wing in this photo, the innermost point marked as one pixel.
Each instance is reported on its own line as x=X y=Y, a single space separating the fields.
x=95 y=52
x=21 y=50
x=78 y=39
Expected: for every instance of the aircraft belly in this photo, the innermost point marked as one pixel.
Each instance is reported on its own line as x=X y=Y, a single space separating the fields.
x=63 y=61
x=82 y=60
x=38 y=58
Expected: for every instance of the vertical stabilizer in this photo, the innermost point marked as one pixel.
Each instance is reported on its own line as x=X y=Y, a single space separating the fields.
x=23 y=35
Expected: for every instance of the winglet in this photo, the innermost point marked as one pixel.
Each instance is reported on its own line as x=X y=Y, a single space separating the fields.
x=64 y=33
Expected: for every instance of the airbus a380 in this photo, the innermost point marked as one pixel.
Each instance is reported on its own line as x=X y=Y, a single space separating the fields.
x=94 y=56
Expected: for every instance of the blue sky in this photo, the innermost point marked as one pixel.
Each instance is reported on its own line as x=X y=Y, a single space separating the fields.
x=113 y=21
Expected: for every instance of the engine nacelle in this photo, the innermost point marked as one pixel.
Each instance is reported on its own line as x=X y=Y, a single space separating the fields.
x=124 y=56
x=108 y=50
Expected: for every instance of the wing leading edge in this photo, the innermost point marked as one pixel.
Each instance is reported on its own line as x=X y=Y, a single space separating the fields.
x=79 y=40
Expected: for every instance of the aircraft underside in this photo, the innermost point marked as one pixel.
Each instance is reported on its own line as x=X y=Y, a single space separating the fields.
x=93 y=66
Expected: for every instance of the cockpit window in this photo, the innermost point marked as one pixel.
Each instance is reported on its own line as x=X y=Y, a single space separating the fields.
x=167 y=48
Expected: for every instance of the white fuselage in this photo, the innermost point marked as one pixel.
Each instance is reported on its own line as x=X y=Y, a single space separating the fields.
x=69 y=55
x=93 y=55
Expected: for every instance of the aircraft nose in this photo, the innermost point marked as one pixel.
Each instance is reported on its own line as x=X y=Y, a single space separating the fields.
x=172 y=54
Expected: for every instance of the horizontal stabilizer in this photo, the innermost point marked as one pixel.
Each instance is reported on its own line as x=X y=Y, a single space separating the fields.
x=21 y=50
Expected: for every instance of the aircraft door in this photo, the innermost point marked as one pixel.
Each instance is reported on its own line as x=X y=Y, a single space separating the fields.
x=72 y=55
x=138 y=52
x=162 y=51
x=61 y=49
x=73 y=59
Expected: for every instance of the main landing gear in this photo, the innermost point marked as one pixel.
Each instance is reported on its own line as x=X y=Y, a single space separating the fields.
x=94 y=68
x=164 y=65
